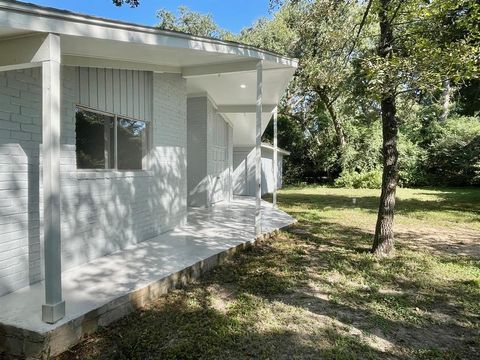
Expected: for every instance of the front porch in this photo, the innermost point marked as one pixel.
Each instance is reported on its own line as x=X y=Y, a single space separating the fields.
x=110 y=287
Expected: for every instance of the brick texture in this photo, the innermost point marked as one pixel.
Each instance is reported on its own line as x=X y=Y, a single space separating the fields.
x=102 y=212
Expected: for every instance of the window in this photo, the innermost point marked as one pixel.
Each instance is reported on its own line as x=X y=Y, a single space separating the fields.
x=105 y=141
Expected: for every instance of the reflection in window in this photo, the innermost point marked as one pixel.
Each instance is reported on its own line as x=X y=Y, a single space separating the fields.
x=94 y=140
x=109 y=142
x=131 y=140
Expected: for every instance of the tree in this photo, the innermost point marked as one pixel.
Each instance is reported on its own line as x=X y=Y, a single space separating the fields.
x=191 y=22
x=131 y=3
x=383 y=242
x=422 y=45
x=397 y=52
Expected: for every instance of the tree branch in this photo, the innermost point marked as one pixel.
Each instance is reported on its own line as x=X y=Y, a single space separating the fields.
x=360 y=28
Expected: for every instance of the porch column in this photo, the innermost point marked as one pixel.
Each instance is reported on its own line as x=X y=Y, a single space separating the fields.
x=258 y=151
x=54 y=307
x=275 y=152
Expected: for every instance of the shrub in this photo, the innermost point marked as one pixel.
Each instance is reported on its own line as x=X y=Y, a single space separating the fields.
x=454 y=155
x=365 y=180
x=411 y=158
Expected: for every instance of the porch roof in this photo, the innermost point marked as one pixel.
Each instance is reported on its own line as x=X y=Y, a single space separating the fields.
x=224 y=70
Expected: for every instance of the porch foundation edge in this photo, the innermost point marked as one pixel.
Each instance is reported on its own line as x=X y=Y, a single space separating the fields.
x=21 y=343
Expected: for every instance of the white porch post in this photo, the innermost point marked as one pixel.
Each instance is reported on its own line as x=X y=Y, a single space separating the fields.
x=54 y=307
x=275 y=152
x=258 y=151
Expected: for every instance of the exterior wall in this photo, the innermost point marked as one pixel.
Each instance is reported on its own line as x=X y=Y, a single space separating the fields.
x=123 y=92
x=244 y=171
x=210 y=152
x=20 y=138
x=197 y=151
x=229 y=190
x=102 y=211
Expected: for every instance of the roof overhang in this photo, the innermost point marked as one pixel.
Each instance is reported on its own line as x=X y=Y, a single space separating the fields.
x=226 y=71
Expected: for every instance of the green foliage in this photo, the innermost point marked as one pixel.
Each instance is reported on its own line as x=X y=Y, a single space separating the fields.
x=362 y=152
x=341 y=78
x=454 y=155
x=364 y=180
x=411 y=161
x=329 y=118
x=469 y=98
x=277 y=34
x=190 y=22
x=131 y=3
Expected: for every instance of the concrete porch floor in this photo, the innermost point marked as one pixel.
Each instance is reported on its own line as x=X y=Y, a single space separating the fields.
x=110 y=287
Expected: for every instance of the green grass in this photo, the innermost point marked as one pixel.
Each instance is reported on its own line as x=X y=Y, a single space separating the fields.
x=315 y=292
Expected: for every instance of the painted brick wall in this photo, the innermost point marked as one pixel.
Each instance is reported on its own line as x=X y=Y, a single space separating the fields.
x=20 y=137
x=101 y=211
x=107 y=211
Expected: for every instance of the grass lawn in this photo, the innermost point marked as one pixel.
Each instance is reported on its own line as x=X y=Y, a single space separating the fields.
x=314 y=291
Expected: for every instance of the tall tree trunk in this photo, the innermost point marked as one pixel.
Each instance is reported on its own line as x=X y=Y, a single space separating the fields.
x=383 y=243
x=333 y=115
x=446 y=95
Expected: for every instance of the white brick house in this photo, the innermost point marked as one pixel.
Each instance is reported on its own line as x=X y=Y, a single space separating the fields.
x=110 y=131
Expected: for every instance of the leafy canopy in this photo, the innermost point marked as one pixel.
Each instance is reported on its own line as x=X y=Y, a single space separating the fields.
x=131 y=3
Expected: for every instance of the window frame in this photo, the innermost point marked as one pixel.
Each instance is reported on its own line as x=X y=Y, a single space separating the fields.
x=145 y=159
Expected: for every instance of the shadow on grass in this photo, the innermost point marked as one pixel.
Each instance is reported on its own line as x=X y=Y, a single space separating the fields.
x=466 y=201
x=311 y=293
x=189 y=327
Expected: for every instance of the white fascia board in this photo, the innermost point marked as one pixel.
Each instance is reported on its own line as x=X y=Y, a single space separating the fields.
x=38 y=19
x=225 y=68
x=245 y=109
x=117 y=64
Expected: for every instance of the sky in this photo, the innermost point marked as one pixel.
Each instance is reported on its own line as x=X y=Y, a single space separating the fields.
x=232 y=15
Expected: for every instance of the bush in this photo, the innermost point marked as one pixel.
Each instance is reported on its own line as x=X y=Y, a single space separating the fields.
x=454 y=155
x=411 y=158
x=366 y=180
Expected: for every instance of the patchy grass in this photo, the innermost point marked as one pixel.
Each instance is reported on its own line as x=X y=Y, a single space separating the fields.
x=315 y=292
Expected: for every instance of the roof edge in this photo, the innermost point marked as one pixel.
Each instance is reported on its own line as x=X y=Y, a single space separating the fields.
x=39 y=10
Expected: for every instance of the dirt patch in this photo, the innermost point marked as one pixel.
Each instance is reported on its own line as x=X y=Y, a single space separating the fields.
x=459 y=241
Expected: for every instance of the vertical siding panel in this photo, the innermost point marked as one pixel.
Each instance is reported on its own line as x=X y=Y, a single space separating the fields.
x=141 y=94
x=109 y=90
x=146 y=97
x=93 y=88
x=84 y=88
x=123 y=93
x=149 y=96
x=101 y=90
x=135 y=94
x=116 y=91
x=129 y=93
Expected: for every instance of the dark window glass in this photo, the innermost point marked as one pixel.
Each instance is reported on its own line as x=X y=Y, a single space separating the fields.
x=94 y=140
x=131 y=143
